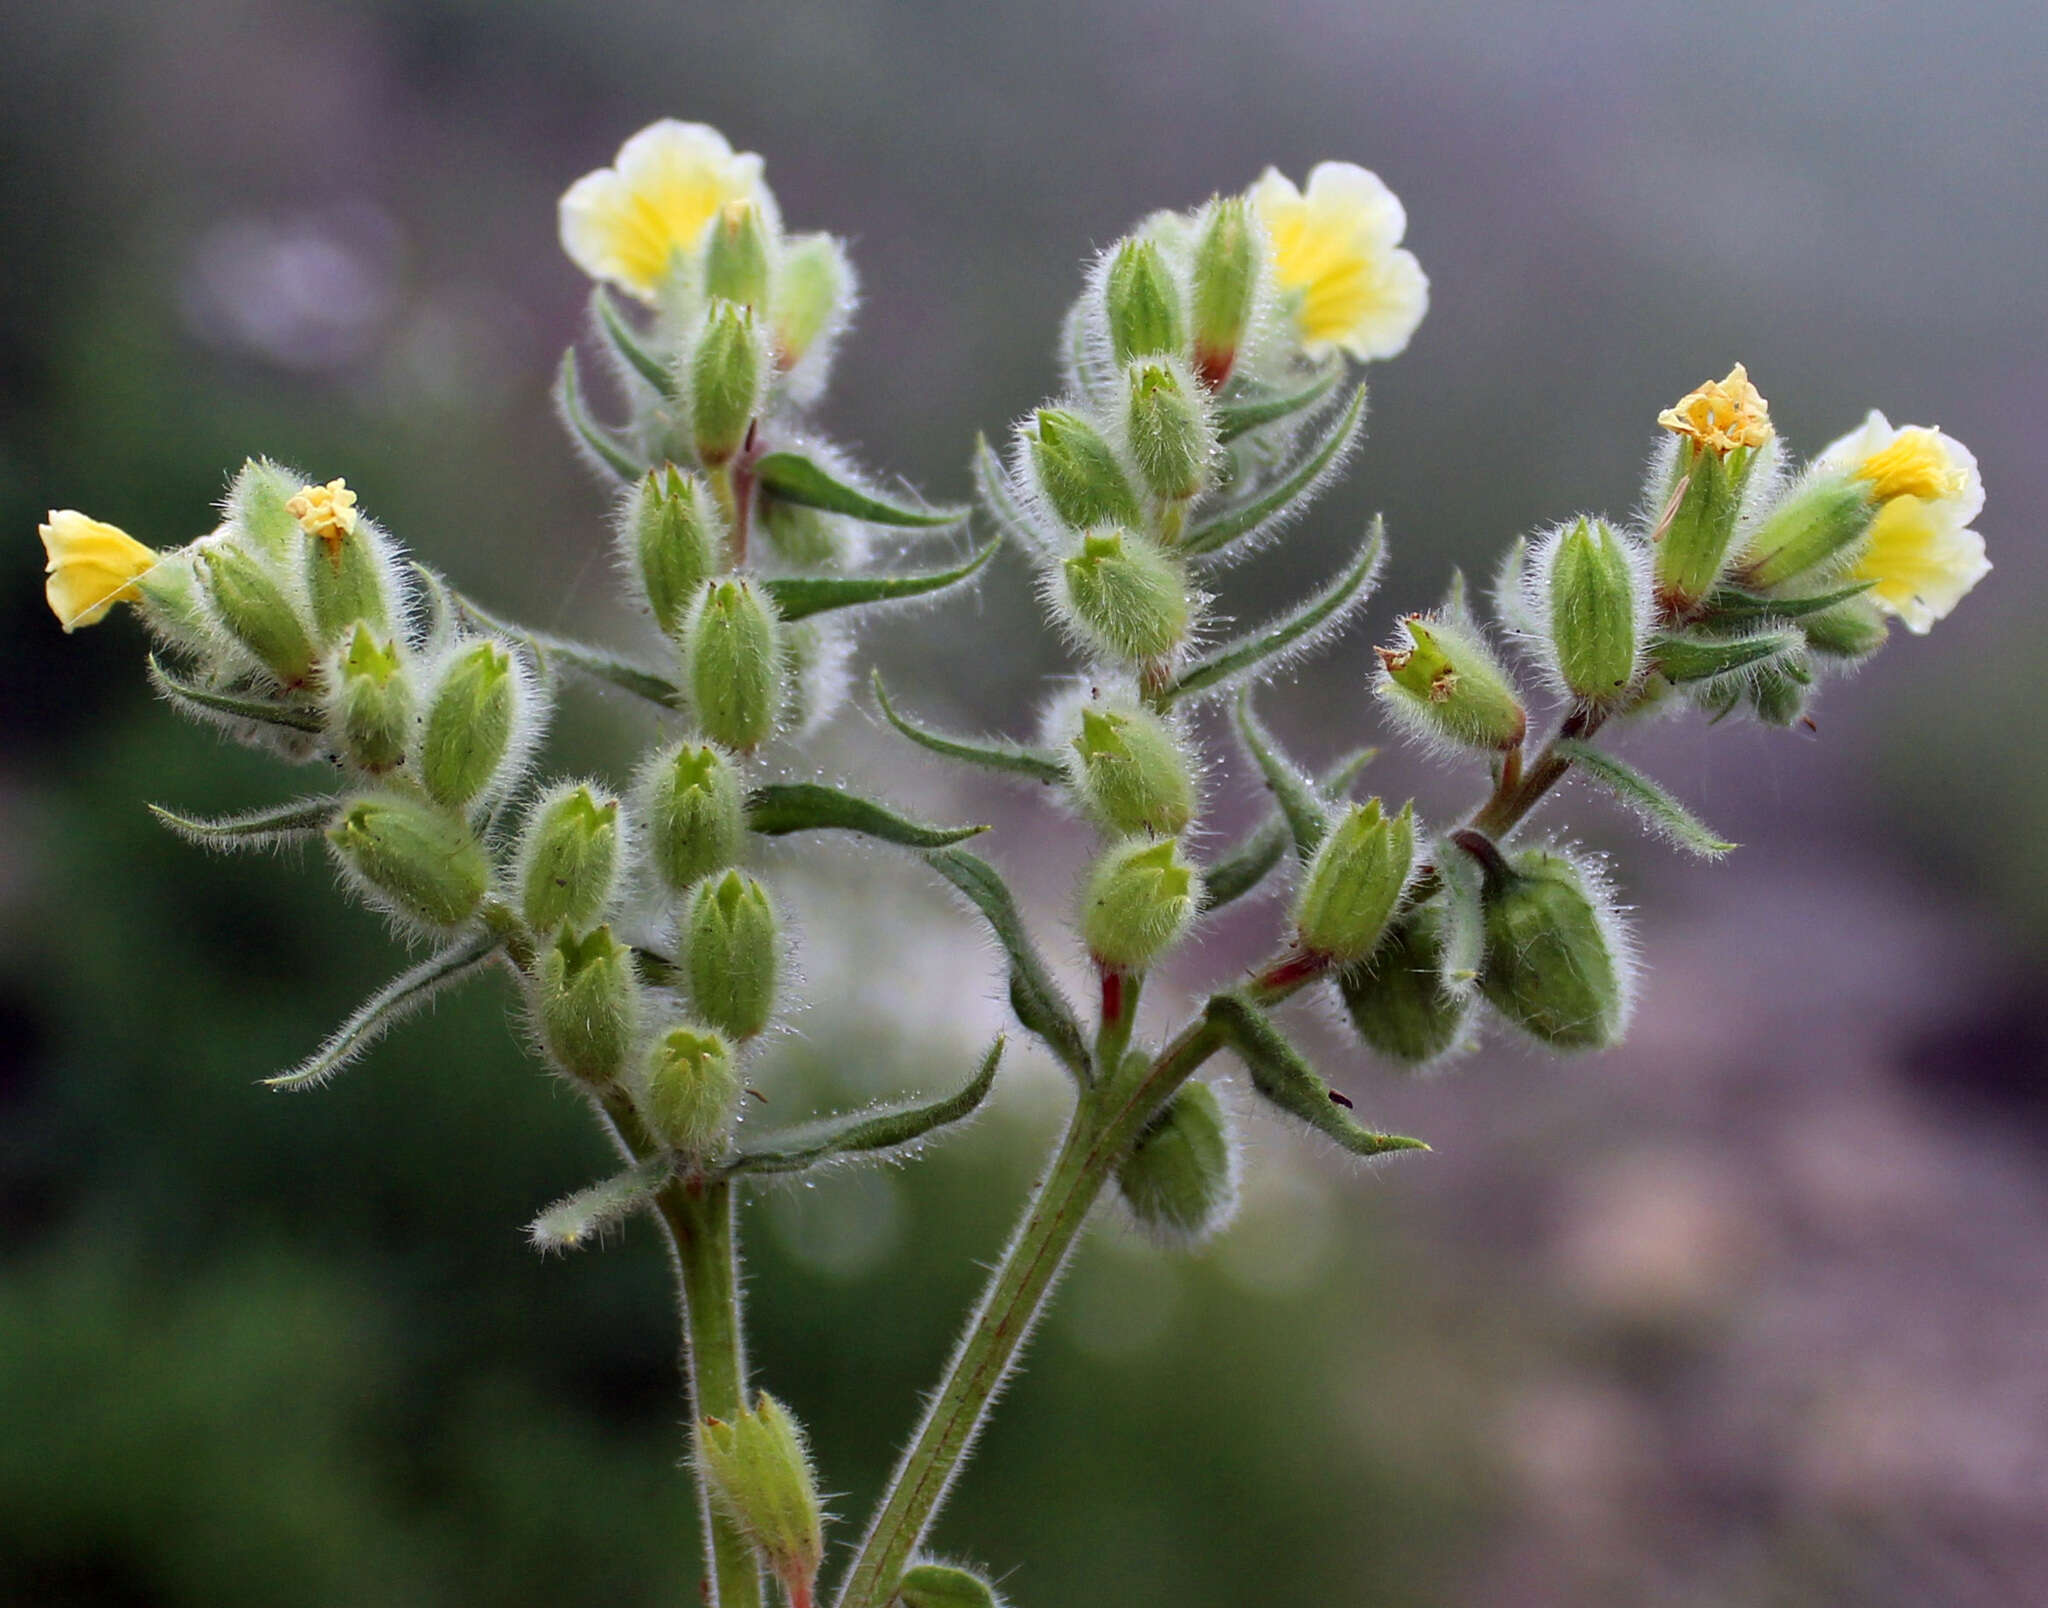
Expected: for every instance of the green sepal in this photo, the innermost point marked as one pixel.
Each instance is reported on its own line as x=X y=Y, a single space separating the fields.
x=1680 y=659
x=1245 y=866
x=603 y=444
x=1307 y=820
x=1247 y=518
x=630 y=346
x=870 y=1133
x=255 y=829
x=1244 y=414
x=781 y=808
x=586 y=1215
x=1663 y=814
x=204 y=703
x=1013 y=758
x=1284 y=1077
x=798 y=479
x=1034 y=996
x=1731 y=604
x=799 y=596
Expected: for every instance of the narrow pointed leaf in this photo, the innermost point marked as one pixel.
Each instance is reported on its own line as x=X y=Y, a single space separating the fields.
x=1034 y=996
x=1293 y=633
x=1659 y=810
x=205 y=703
x=992 y=754
x=1284 y=1077
x=389 y=1006
x=1279 y=502
x=609 y=450
x=598 y=663
x=1511 y=593
x=1245 y=414
x=570 y=1224
x=256 y=829
x=999 y=497
x=1464 y=921
x=630 y=345
x=1307 y=820
x=874 y=1132
x=797 y=479
x=781 y=808
x=1682 y=659
x=1243 y=867
x=1732 y=603
x=799 y=596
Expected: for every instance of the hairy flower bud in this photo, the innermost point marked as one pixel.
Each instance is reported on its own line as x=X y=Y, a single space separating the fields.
x=728 y=380
x=1127 y=596
x=733 y=953
x=568 y=858
x=256 y=612
x=1446 y=683
x=732 y=656
x=1143 y=304
x=1852 y=630
x=1128 y=770
x=417 y=860
x=259 y=509
x=737 y=248
x=1595 y=605
x=1556 y=962
x=689 y=1090
x=1169 y=433
x=675 y=537
x=372 y=702
x=1078 y=472
x=760 y=1475
x=813 y=289
x=586 y=1003
x=940 y=1585
x=1140 y=898
x=693 y=811
x=1721 y=427
x=1180 y=1179
x=1397 y=1000
x=1781 y=688
x=1224 y=285
x=1354 y=882
x=1819 y=521
x=470 y=723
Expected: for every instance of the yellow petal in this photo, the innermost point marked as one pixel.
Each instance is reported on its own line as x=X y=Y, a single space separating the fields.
x=92 y=566
x=1920 y=561
x=1335 y=248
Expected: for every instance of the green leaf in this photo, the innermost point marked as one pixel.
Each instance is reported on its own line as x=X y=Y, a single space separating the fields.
x=874 y=1132
x=999 y=497
x=1680 y=659
x=1511 y=592
x=1288 y=1082
x=1292 y=633
x=598 y=663
x=607 y=448
x=1034 y=996
x=570 y=1224
x=1663 y=813
x=1307 y=820
x=1245 y=414
x=799 y=596
x=781 y=808
x=1242 y=868
x=795 y=478
x=389 y=1006
x=1276 y=504
x=204 y=703
x=630 y=345
x=1731 y=603
x=1464 y=923
x=256 y=829
x=994 y=754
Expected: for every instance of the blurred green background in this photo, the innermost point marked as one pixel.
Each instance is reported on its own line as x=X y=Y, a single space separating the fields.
x=1748 y=1312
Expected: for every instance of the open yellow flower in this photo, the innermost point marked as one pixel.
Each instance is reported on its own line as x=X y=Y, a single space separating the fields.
x=627 y=223
x=1336 y=250
x=327 y=512
x=1920 y=554
x=1722 y=414
x=92 y=567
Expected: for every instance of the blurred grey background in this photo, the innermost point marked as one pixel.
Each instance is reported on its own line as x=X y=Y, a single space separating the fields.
x=1748 y=1312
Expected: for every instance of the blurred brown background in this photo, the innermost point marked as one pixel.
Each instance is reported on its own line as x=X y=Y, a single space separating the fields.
x=1749 y=1312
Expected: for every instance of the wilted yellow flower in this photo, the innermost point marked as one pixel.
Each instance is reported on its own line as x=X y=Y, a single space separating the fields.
x=1722 y=414
x=92 y=567
x=1921 y=555
x=328 y=512
x=626 y=223
x=1337 y=247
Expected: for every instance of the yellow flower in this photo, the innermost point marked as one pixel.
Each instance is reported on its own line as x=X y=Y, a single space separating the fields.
x=1335 y=249
x=328 y=512
x=627 y=223
x=92 y=567
x=1722 y=414
x=1921 y=554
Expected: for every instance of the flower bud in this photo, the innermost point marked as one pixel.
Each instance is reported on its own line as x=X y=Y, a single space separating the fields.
x=1180 y=1179
x=416 y=859
x=1078 y=472
x=1852 y=630
x=1170 y=436
x=689 y=1090
x=1143 y=304
x=1595 y=605
x=675 y=536
x=728 y=381
x=733 y=953
x=1721 y=427
x=1354 y=882
x=1820 y=520
x=1781 y=688
x=803 y=538
x=1139 y=899
x=737 y=247
x=1128 y=770
x=1127 y=596
x=569 y=858
x=259 y=509
x=372 y=703
x=586 y=1003
x=1446 y=683
x=469 y=724
x=694 y=813
x=1397 y=1000
x=732 y=657
x=940 y=1585
x=760 y=1475
x=813 y=289
x=348 y=572
x=1224 y=284
x=1555 y=962
x=247 y=600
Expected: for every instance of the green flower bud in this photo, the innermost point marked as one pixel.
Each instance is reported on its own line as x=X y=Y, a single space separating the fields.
x=569 y=858
x=1354 y=882
x=694 y=813
x=1780 y=689
x=171 y=604
x=1595 y=604
x=415 y=859
x=940 y=1585
x=586 y=1003
x=255 y=611
x=1143 y=304
x=1555 y=962
x=760 y=1475
x=1140 y=898
x=1180 y=1179
x=1819 y=521
x=675 y=536
x=1129 y=772
x=1170 y=436
x=1078 y=472
x=728 y=378
x=1852 y=630
x=803 y=538
x=1446 y=683
x=813 y=288
x=689 y=1090
x=733 y=953
x=1693 y=552
x=1127 y=596
x=732 y=658
x=348 y=578
x=1398 y=1001
x=257 y=508
x=372 y=703
x=1224 y=284
x=469 y=724
x=737 y=249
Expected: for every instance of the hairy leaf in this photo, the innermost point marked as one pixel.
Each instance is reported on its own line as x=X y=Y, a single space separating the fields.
x=1284 y=1077
x=1244 y=414
x=798 y=479
x=630 y=345
x=607 y=447
x=572 y=1223
x=1307 y=820
x=781 y=808
x=1244 y=866
x=1682 y=659
x=598 y=663
x=205 y=703
x=1663 y=813
x=994 y=754
x=1034 y=996
x=1731 y=603
x=1277 y=503
x=255 y=829
x=799 y=596
x=999 y=497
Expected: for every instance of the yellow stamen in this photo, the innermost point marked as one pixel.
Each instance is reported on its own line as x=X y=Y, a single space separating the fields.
x=328 y=512
x=1722 y=414
x=1914 y=465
